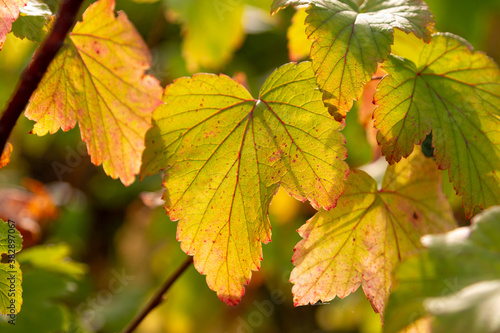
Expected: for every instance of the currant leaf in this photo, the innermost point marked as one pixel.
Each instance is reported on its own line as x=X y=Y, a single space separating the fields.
x=98 y=80
x=225 y=155
x=350 y=39
x=362 y=240
x=454 y=92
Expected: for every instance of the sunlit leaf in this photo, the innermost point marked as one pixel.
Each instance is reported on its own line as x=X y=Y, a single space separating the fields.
x=456 y=280
x=9 y=12
x=225 y=155
x=10 y=272
x=361 y=240
x=455 y=93
x=98 y=80
x=407 y=46
x=350 y=39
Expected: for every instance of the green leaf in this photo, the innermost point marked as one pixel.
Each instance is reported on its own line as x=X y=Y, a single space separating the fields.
x=32 y=20
x=456 y=280
x=10 y=272
x=98 y=80
x=455 y=93
x=361 y=240
x=9 y=12
x=225 y=156
x=53 y=258
x=349 y=40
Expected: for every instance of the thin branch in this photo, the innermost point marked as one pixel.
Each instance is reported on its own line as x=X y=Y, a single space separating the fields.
x=158 y=297
x=374 y=78
x=33 y=74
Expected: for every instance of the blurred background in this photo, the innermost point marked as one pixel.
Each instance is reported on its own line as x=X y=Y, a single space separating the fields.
x=95 y=250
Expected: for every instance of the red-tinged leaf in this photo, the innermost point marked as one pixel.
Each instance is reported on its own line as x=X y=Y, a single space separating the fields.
x=361 y=240
x=98 y=79
x=9 y=12
x=5 y=157
x=225 y=155
x=454 y=92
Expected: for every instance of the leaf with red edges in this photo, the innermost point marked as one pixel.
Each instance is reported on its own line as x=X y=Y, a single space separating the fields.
x=98 y=79
x=225 y=155
x=9 y=12
x=5 y=157
x=360 y=241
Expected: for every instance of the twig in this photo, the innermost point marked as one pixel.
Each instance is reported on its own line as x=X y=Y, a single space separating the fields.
x=33 y=74
x=158 y=297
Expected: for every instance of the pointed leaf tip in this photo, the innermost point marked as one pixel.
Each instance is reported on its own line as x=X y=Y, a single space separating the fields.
x=99 y=80
x=360 y=241
x=225 y=154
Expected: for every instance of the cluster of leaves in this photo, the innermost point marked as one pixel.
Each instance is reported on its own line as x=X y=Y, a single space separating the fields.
x=225 y=153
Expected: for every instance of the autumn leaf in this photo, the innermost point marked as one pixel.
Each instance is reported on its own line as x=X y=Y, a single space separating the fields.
x=361 y=240
x=5 y=157
x=98 y=80
x=225 y=155
x=10 y=272
x=212 y=31
x=455 y=280
x=455 y=93
x=349 y=40
x=9 y=12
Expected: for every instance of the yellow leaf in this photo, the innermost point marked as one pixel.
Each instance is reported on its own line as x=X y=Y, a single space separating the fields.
x=98 y=79
x=226 y=154
x=361 y=240
x=298 y=44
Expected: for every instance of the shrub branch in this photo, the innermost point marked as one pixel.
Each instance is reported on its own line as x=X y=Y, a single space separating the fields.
x=158 y=297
